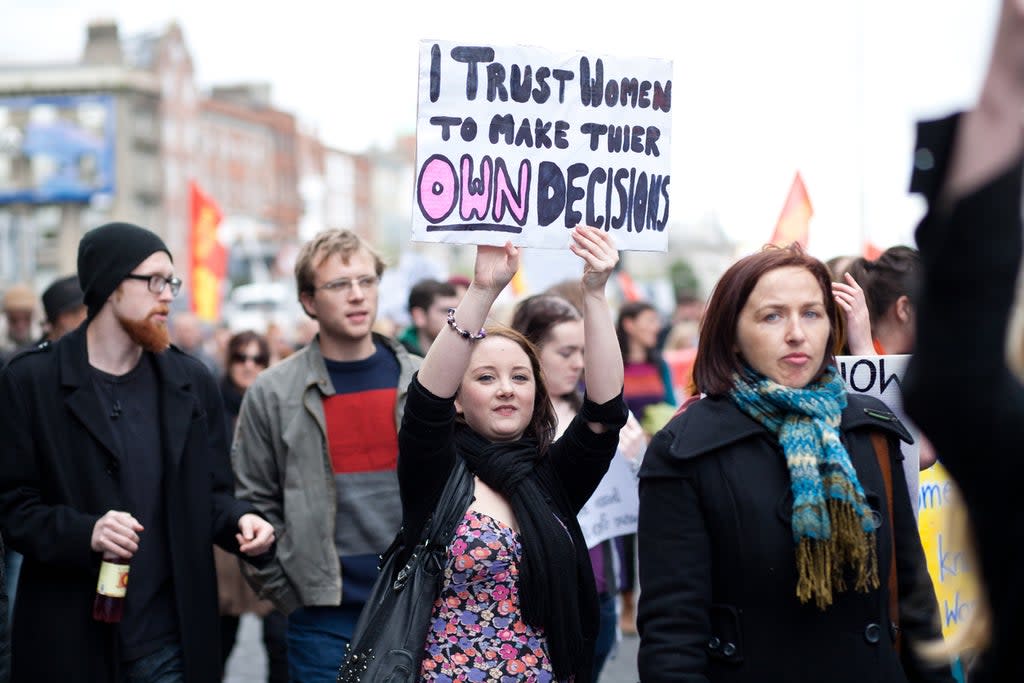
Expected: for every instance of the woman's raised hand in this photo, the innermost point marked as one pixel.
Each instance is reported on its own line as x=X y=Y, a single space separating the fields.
x=850 y=298
x=599 y=255
x=495 y=266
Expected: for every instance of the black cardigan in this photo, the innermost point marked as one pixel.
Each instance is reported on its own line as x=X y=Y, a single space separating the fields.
x=958 y=388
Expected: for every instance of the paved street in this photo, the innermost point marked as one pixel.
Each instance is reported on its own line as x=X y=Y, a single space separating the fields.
x=248 y=664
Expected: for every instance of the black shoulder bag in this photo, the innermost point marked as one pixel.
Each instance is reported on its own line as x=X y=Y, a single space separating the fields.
x=390 y=636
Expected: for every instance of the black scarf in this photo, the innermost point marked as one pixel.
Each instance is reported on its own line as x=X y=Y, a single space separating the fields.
x=550 y=582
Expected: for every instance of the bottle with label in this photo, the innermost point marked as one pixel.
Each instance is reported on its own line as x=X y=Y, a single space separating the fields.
x=111 y=588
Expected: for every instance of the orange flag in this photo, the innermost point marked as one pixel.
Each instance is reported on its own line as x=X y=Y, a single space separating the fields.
x=519 y=287
x=794 y=221
x=630 y=292
x=209 y=257
x=871 y=251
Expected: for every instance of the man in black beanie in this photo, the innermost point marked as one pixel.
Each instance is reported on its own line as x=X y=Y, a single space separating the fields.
x=114 y=450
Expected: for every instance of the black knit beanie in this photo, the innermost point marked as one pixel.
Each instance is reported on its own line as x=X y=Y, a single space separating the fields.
x=107 y=254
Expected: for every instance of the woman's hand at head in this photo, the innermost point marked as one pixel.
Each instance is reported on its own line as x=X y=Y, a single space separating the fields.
x=851 y=302
x=495 y=266
x=599 y=255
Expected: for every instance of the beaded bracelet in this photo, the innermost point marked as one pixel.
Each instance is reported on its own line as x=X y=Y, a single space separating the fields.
x=466 y=334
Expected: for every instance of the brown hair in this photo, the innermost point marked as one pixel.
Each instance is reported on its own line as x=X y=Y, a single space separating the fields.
x=535 y=316
x=238 y=342
x=631 y=310
x=716 y=359
x=322 y=246
x=543 y=420
x=896 y=273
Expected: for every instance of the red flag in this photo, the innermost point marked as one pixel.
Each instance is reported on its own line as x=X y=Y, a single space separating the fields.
x=209 y=257
x=794 y=221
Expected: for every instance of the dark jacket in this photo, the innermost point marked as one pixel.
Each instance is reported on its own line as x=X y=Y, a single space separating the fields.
x=5 y=643
x=717 y=563
x=971 y=253
x=59 y=475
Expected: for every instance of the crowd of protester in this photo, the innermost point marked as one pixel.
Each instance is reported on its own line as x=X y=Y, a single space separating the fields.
x=268 y=471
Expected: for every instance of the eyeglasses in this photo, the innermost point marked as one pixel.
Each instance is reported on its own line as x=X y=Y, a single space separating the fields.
x=366 y=283
x=158 y=282
x=244 y=358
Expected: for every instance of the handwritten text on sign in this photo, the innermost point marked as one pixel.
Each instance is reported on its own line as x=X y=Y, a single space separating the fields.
x=882 y=377
x=520 y=144
x=614 y=506
x=952 y=572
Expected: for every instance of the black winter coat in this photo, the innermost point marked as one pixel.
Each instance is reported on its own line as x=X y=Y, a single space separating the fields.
x=717 y=563
x=59 y=475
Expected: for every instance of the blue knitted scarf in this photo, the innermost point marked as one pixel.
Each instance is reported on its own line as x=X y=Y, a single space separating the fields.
x=833 y=527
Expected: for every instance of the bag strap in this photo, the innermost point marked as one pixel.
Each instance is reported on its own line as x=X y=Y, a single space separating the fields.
x=881 y=447
x=438 y=528
x=450 y=506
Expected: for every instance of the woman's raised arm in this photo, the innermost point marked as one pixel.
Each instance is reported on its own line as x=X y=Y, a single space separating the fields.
x=448 y=357
x=603 y=359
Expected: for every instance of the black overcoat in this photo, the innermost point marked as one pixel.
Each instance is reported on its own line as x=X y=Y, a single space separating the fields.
x=59 y=473
x=717 y=564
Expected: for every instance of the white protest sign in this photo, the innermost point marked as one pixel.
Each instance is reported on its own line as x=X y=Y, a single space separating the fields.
x=882 y=377
x=614 y=506
x=522 y=144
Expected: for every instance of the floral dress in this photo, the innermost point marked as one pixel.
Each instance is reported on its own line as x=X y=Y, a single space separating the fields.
x=476 y=631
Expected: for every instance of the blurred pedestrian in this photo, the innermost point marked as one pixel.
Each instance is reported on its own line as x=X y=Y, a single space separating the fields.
x=188 y=334
x=248 y=354
x=64 y=306
x=65 y=310
x=648 y=383
x=460 y=283
x=969 y=168
x=768 y=542
x=20 y=306
x=114 y=449
x=333 y=406
x=429 y=301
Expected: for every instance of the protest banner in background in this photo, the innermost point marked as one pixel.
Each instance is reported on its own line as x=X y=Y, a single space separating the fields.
x=882 y=377
x=954 y=576
x=613 y=507
x=931 y=491
x=521 y=144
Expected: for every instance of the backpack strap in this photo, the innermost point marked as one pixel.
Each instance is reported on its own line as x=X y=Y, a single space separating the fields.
x=881 y=447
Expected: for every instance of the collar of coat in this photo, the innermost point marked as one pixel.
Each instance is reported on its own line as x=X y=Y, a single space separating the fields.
x=175 y=373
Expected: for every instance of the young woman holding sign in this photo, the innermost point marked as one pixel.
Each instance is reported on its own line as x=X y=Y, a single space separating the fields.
x=517 y=599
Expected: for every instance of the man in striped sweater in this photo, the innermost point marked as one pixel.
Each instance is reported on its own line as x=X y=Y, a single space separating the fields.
x=315 y=451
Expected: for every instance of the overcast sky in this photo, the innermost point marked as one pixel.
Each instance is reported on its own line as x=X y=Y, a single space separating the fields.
x=761 y=89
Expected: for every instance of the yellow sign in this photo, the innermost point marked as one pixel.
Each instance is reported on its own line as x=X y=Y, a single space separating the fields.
x=949 y=563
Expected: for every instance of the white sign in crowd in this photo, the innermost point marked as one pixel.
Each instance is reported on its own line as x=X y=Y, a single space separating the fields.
x=522 y=144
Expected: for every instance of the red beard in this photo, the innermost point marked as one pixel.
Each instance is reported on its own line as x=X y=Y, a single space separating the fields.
x=150 y=334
